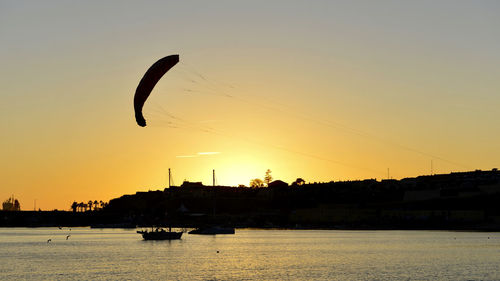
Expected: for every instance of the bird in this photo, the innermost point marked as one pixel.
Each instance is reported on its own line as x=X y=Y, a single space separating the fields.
x=68 y=237
x=49 y=240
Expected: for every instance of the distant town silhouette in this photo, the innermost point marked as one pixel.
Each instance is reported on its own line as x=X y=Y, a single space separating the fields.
x=464 y=200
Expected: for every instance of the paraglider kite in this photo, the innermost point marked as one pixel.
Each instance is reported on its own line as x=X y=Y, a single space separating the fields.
x=148 y=82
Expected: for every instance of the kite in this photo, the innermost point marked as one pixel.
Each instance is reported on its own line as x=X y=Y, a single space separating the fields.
x=148 y=82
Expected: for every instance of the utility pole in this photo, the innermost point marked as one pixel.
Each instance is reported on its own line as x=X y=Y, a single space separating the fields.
x=213 y=177
x=169 y=176
x=432 y=168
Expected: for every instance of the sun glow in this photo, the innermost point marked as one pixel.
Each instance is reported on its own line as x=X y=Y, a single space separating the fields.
x=321 y=92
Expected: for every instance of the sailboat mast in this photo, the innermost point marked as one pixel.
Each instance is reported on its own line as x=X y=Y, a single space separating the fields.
x=169 y=177
x=214 y=192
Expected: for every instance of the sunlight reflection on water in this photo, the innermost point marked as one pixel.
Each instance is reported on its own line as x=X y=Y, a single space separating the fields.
x=117 y=254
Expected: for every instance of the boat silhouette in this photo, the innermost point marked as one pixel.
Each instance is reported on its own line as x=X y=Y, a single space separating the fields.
x=160 y=234
x=212 y=230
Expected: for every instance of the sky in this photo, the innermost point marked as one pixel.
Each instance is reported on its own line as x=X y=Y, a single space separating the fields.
x=322 y=90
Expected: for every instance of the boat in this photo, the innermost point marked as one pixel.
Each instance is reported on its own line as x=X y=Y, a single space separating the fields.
x=212 y=230
x=160 y=234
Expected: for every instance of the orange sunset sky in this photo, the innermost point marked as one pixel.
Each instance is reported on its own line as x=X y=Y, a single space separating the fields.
x=323 y=90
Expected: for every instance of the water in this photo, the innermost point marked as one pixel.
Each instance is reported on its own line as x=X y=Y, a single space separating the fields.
x=118 y=254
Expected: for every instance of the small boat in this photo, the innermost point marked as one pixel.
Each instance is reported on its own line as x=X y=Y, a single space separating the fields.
x=160 y=234
x=212 y=230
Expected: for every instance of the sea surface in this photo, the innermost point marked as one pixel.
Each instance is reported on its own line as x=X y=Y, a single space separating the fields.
x=120 y=254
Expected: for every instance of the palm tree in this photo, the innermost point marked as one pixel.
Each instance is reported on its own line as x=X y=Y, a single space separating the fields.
x=96 y=205
x=74 y=206
x=90 y=205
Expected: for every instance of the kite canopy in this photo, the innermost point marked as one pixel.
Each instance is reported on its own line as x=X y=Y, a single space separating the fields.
x=148 y=82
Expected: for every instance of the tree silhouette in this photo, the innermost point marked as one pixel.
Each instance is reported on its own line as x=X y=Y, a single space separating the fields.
x=268 y=178
x=17 y=205
x=82 y=206
x=256 y=183
x=74 y=206
x=11 y=204
x=299 y=182
x=91 y=205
